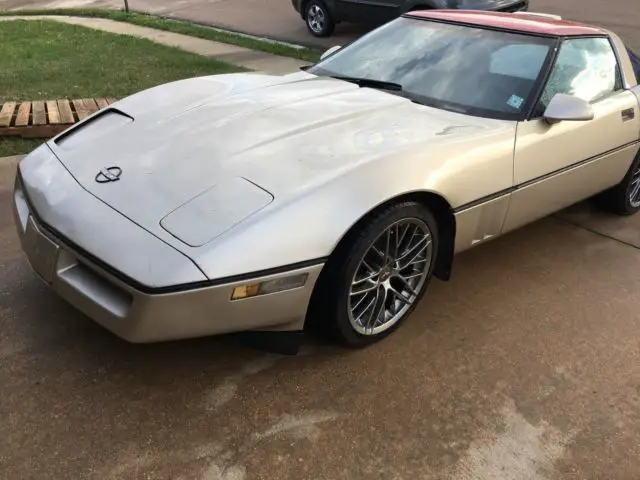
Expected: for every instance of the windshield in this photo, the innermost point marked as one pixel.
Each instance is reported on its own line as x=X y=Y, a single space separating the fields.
x=453 y=67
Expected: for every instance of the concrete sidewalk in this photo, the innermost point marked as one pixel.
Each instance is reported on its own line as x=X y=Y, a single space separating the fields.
x=243 y=57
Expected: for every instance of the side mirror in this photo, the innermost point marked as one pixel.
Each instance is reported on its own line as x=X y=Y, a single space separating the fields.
x=568 y=108
x=330 y=51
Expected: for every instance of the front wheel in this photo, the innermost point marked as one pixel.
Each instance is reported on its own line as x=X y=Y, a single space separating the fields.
x=624 y=198
x=377 y=279
x=318 y=18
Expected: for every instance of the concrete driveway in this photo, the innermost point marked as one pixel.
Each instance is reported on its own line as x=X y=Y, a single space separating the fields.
x=525 y=367
x=277 y=18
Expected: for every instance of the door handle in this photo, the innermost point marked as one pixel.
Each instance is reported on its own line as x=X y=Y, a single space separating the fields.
x=628 y=114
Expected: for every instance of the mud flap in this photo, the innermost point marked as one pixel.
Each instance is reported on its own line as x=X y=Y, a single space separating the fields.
x=283 y=343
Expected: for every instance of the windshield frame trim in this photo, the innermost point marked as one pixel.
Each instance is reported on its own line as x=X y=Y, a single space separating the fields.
x=543 y=79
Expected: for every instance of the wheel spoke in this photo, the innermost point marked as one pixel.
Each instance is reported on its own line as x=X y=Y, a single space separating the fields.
x=402 y=237
x=415 y=258
x=372 y=286
x=369 y=267
x=399 y=296
x=358 y=303
x=414 y=275
x=407 y=285
x=414 y=252
x=413 y=264
x=377 y=251
x=410 y=249
x=633 y=196
x=375 y=311
x=396 y=235
x=369 y=305
x=366 y=279
x=387 y=247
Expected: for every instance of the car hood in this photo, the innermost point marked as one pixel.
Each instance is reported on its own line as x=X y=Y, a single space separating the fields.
x=196 y=157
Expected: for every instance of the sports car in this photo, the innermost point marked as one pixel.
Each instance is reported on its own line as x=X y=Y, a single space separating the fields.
x=333 y=195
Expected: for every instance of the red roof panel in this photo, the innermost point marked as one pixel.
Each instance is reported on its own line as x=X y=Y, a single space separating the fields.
x=527 y=23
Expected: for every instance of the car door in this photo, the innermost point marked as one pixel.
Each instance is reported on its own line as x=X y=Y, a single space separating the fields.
x=556 y=165
x=369 y=11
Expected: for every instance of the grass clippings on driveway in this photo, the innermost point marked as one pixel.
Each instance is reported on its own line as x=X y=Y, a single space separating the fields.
x=179 y=26
x=44 y=60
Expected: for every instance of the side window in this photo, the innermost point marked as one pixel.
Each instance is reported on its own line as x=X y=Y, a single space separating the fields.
x=586 y=68
x=519 y=60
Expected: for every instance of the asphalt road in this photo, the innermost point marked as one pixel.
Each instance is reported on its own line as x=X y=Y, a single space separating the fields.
x=525 y=367
x=277 y=18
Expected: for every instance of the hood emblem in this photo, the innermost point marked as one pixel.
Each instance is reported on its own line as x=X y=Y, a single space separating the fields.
x=108 y=175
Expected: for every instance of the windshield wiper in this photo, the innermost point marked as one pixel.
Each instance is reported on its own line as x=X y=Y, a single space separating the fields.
x=368 y=82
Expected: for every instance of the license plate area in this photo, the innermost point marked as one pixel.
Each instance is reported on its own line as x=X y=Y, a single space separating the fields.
x=41 y=251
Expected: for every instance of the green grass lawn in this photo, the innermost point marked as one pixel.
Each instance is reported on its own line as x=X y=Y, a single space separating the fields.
x=44 y=60
x=178 y=26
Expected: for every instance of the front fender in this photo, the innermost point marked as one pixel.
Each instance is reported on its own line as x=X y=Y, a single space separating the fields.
x=307 y=223
x=303 y=228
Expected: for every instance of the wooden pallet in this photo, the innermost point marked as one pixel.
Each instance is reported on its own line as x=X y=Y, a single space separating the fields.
x=46 y=118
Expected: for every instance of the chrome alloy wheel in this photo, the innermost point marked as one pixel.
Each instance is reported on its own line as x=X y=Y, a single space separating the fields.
x=390 y=276
x=316 y=18
x=634 y=188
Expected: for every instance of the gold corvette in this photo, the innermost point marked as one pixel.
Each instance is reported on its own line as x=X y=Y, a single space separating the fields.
x=331 y=195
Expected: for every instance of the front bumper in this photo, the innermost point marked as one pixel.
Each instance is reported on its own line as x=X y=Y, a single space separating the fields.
x=138 y=316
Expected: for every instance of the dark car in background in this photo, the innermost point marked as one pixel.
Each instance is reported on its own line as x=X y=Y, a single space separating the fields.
x=321 y=16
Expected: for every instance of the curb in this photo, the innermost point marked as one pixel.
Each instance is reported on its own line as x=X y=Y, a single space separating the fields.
x=239 y=33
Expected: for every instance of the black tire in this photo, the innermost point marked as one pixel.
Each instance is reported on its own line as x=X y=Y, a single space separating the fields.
x=329 y=308
x=618 y=199
x=318 y=18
